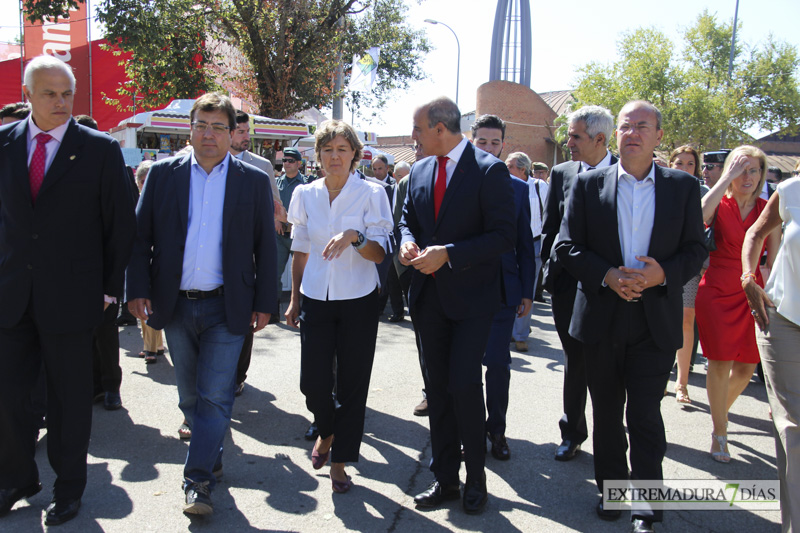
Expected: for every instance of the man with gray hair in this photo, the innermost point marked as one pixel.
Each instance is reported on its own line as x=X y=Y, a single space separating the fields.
x=456 y=224
x=67 y=222
x=589 y=131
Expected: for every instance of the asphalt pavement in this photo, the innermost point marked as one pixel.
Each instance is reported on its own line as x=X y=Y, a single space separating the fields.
x=136 y=458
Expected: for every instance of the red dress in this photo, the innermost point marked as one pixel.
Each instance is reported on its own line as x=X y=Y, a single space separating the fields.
x=727 y=330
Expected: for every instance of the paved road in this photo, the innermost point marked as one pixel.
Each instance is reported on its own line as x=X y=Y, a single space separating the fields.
x=136 y=458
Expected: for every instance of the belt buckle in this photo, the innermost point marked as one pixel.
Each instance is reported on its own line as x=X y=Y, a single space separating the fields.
x=192 y=295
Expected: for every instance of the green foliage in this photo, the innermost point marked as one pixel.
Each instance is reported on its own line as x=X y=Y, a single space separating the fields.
x=37 y=10
x=699 y=103
x=280 y=53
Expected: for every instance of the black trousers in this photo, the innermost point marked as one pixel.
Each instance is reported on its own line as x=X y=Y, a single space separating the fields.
x=68 y=367
x=628 y=365
x=573 y=421
x=105 y=353
x=392 y=291
x=341 y=332
x=453 y=350
x=244 y=358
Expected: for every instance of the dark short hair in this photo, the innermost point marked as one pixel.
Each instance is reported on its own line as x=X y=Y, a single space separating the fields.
x=211 y=102
x=381 y=157
x=242 y=117
x=686 y=149
x=776 y=171
x=86 y=120
x=443 y=110
x=17 y=110
x=492 y=122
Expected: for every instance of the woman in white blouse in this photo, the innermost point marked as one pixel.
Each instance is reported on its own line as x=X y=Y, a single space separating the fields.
x=341 y=227
x=776 y=310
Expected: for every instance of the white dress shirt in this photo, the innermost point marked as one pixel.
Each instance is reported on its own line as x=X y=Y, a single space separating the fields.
x=636 y=210
x=362 y=206
x=783 y=286
x=605 y=162
x=51 y=147
x=452 y=159
x=538 y=202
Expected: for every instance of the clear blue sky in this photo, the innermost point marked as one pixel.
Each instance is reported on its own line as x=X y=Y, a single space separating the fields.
x=566 y=35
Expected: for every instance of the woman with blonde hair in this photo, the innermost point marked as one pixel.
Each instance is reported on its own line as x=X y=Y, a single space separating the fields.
x=727 y=331
x=341 y=225
x=687 y=159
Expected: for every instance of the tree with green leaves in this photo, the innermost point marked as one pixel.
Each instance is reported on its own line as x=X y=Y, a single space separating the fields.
x=700 y=103
x=282 y=54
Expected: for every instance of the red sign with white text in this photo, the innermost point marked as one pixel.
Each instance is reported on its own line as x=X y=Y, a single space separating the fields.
x=67 y=40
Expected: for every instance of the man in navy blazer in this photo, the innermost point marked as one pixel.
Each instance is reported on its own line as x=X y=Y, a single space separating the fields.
x=518 y=272
x=632 y=237
x=66 y=230
x=457 y=221
x=203 y=269
x=589 y=130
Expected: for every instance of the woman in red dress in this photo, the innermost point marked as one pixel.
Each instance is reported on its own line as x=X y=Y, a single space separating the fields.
x=727 y=331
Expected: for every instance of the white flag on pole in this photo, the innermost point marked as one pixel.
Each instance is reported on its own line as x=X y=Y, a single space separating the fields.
x=365 y=70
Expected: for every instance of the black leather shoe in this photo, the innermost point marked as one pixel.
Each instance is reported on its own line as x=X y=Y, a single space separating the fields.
x=475 y=496
x=567 y=450
x=436 y=494
x=500 y=449
x=8 y=497
x=112 y=401
x=198 y=498
x=397 y=318
x=640 y=525
x=312 y=433
x=239 y=389
x=607 y=514
x=61 y=510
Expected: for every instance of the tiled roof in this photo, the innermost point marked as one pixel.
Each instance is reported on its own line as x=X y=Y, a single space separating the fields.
x=558 y=100
x=401 y=152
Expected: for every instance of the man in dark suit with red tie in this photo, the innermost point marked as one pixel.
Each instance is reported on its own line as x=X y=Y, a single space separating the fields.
x=457 y=221
x=632 y=236
x=66 y=231
x=589 y=131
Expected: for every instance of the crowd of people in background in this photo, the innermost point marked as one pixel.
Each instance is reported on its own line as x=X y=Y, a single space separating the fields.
x=643 y=257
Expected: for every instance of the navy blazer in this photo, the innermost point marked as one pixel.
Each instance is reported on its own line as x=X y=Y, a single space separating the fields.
x=249 y=261
x=72 y=246
x=519 y=264
x=476 y=223
x=589 y=246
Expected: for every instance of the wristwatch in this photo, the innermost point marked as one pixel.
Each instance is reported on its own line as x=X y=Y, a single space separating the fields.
x=361 y=241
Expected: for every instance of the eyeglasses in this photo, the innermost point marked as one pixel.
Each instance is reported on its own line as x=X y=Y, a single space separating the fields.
x=710 y=166
x=216 y=127
x=795 y=173
x=289 y=160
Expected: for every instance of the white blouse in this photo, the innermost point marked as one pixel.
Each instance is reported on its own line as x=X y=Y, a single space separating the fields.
x=783 y=286
x=362 y=206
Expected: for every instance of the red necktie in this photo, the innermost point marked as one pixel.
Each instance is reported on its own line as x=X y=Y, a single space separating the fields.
x=440 y=186
x=36 y=170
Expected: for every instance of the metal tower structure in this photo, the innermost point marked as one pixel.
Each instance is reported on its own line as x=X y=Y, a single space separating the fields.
x=511 y=42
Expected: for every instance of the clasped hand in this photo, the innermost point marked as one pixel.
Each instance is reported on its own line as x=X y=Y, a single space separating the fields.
x=630 y=283
x=426 y=261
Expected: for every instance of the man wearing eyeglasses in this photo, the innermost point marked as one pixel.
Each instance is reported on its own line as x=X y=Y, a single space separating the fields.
x=712 y=166
x=204 y=272
x=291 y=179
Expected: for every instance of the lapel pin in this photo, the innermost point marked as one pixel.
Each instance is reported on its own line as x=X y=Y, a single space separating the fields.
x=72 y=158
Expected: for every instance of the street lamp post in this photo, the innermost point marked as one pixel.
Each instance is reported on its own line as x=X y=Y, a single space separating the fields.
x=458 y=44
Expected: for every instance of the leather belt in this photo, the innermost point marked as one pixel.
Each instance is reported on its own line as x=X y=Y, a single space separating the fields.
x=202 y=295
x=537 y=238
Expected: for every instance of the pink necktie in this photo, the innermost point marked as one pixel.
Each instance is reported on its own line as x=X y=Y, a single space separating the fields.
x=36 y=170
x=440 y=186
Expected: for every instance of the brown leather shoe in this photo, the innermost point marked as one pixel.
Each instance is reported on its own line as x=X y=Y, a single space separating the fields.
x=422 y=408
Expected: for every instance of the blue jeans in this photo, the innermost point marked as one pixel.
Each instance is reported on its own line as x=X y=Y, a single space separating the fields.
x=522 y=324
x=204 y=353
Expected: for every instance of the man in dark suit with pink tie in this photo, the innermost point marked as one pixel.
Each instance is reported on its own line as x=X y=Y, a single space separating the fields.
x=66 y=231
x=457 y=221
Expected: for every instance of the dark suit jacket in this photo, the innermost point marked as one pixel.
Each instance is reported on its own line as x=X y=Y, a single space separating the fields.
x=249 y=264
x=589 y=245
x=476 y=223
x=519 y=264
x=72 y=247
x=555 y=279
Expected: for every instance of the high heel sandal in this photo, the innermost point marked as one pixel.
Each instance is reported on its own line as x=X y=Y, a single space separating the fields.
x=721 y=456
x=682 y=394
